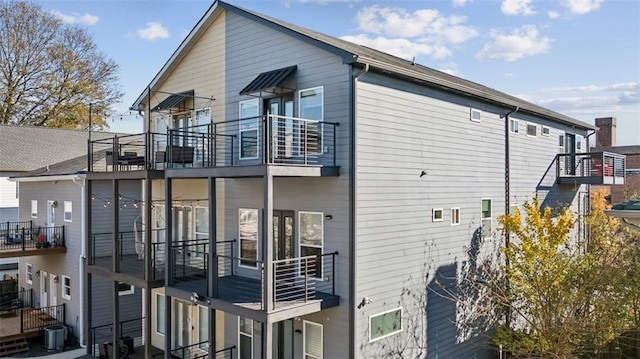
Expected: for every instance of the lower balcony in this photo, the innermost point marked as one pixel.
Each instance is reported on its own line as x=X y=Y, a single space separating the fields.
x=598 y=168
x=307 y=281
x=21 y=239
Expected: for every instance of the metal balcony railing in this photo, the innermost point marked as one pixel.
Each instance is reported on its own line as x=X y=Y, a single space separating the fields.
x=24 y=235
x=591 y=168
x=38 y=318
x=101 y=336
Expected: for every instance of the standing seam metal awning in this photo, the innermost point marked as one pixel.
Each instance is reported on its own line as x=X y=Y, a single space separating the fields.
x=268 y=80
x=173 y=100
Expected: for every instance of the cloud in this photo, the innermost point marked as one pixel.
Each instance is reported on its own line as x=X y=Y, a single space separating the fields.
x=517 y=7
x=553 y=14
x=582 y=7
x=400 y=47
x=624 y=86
x=522 y=42
x=75 y=18
x=459 y=3
x=153 y=31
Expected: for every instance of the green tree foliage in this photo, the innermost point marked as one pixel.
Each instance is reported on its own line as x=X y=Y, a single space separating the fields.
x=50 y=71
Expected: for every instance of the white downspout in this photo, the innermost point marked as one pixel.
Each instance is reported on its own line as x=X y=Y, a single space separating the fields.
x=81 y=259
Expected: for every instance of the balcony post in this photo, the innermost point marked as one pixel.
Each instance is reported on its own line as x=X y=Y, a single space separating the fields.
x=24 y=239
x=168 y=265
x=148 y=264
x=267 y=260
x=212 y=275
x=115 y=248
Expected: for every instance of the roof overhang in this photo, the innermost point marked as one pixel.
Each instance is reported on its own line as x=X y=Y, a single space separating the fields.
x=271 y=82
x=68 y=177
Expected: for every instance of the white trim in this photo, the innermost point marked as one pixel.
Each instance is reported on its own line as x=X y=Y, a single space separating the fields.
x=452 y=216
x=160 y=312
x=304 y=339
x=257 y=240
x=63 y=286
x=49 y=178
x=321 y=129
x=472 y=112
x=562 y=135
x=514 y=125
x=391 y=333
x=300 y=245
x=490 y=218
x=548 y=129
x=129 y=291
x=241 y=130
x=250 y=335
x=532 y=124
x=34 y=203
x=433 y=215
x=28 y=269
x=200 y=326
x=64 y=211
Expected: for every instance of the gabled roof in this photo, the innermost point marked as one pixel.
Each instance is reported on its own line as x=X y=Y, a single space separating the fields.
x=357 y=54
x=24 y=148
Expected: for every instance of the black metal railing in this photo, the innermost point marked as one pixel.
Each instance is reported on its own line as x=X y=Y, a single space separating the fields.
x=24 y=235
x=189 y=260
x=127 y=152
x=11 y=300
x=38 y=318
x=198 y=351
x=101 y=336
x=592 y=164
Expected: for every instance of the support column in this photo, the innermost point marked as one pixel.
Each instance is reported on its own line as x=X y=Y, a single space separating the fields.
x=115 y=317
x=89 y=251
x=212 y=275
x=168 y=266
x=115 y=246
x=267 y=260
x=148 y=268
x=88 y=307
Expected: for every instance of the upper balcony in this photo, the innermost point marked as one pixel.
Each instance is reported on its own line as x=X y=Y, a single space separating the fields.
x=21 y=239
x=273 y=140
x=598 y=168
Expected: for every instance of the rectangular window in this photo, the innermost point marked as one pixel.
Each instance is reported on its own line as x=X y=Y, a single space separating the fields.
x=249 y=134
x=561 y=139
x=311 y=110
x=125 y=289
x=311 y=239
x=385 y=324
x=245 y=338
x=202 y=230
x=66 y=287
x=514 y=125
x=546 y=130
x=29 y=273
x=203 y=327
x=485 y=216
x=312 y=341
x=68 y=210
x=248 y=228
x=579 y=142
x=160 y=315
x=436 y=215
x=202 y=122
x=34 y=208
x=474 y=115
x=455 y=216
x=532 y=129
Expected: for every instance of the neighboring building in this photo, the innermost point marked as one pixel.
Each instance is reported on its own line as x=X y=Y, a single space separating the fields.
x=606 y=141
x=295 y=188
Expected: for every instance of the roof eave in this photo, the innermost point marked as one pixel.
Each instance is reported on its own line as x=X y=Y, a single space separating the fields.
x=46 y=178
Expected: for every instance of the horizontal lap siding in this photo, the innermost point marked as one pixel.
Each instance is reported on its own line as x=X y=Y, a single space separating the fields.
x=252 y=49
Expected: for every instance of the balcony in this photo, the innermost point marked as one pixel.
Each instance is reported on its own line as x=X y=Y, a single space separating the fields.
x=274 y=140
x=131 y=252
x=307 y=281
x=21 y=239
x=598 y=168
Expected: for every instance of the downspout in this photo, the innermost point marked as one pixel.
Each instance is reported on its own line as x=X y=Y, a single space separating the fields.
x=81 y=259
x=352 y=209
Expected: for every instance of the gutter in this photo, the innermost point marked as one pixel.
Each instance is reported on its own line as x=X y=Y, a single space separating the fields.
x=67 y=177
x=82 y=258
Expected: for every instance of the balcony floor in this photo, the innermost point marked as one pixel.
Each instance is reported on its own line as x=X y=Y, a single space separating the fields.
x=130 y=265
x=15 y=250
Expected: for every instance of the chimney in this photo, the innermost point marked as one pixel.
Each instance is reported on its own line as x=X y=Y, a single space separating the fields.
x=606 y=132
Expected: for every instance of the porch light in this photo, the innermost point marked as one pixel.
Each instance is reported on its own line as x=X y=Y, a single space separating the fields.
x=38 y=273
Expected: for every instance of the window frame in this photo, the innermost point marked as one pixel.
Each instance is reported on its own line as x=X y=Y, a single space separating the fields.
x=535 y=125
x=203 y=346
x=472 y=112
x=562 y=139
x=371 y=339
x=318 y=121
x=320 y=276
x=66 y=287
x=159 y=313
x=250 y=335
x=456 y=223
x=129 y=291
x=547 y=129
x=64 y=211
x=255 y=126
x=304 y=339
x=34 y=208
x=484 y=218
x=433 y=215
x=257 y=239
x=514 y=125
x=28 y=269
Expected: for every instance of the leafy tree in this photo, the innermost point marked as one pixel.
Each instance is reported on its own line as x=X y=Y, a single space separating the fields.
x=50 y=71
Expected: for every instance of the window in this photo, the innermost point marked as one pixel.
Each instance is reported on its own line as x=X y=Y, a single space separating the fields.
x=202 y=120
x=436 y=215
x=312 y=341
x=202 y=229
x=249 y=148
x=248 y=227
x=385 y=324
x=245 y=338
x=455 y=216
x=546 y=130
x=561 y=139
x=474 y=115
x=125 y=289
x=66 y=287
x=203 y=327
x=532 y=129
x=34 y=208
x=311 y=238
x=162 y=124
x=29 y=276
x=514 y=125
x=68 y=211
x=160 y=312
x=579 y=142
x=311 y=102
x=485 y=216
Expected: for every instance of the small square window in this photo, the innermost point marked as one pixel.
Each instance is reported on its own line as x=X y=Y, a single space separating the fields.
x=455 y=216
x=437 y=215
x=125 y=289
x=68 y=209
x=66 y=287
x=546 y=130
x=514 y=125
x=532 y=129
x=29 y=270
x=34 y=208
x=475 y=115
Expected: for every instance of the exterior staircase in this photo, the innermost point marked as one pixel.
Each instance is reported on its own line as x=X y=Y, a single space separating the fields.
x=13 y=345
